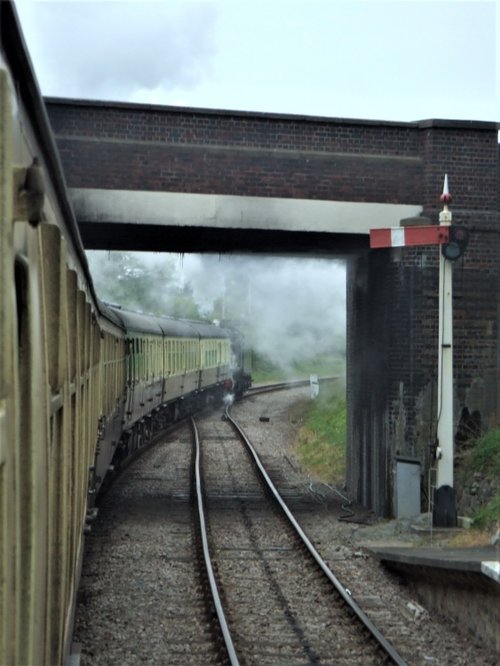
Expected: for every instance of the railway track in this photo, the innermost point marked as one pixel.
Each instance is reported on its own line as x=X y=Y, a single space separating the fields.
x=144 y=594
x=281 y=603
x=142 y=575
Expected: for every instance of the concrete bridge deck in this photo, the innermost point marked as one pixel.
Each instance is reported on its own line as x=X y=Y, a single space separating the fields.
x=181 y=222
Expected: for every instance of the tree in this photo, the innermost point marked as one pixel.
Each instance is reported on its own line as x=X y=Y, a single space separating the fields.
x=183 y=305
x=142 y=284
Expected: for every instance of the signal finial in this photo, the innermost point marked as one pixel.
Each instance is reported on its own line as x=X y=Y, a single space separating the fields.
x=446 y=196
x=445 y=214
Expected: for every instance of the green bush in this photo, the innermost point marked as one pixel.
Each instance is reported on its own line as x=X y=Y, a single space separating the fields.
x=485 y=456
x=489 y=515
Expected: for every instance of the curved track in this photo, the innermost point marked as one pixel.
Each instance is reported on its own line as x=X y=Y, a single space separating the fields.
x=144 y=596
x=277 y=592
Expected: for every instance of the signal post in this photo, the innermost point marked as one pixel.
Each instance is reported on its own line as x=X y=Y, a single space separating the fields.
x=453 y=241
x=444 y=513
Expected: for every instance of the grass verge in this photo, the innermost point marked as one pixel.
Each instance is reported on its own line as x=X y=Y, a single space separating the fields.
x=264 y=370
x=320 y=445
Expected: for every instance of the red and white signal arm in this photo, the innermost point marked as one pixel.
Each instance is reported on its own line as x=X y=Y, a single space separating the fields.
x=408 y=236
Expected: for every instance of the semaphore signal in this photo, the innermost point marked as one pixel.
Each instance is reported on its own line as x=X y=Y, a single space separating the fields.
x=453 y=240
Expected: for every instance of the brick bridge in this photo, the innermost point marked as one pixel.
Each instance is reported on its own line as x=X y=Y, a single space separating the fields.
x=147 y=177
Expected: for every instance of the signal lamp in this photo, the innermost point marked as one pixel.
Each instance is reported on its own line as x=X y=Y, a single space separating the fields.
x=457 y=243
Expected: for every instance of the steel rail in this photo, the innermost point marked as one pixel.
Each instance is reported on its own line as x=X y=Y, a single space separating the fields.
x=382 y=641
x=206 y=554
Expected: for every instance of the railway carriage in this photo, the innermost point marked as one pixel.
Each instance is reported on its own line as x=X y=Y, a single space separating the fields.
x=81 y=384
x=168 y=359
x=214 y=356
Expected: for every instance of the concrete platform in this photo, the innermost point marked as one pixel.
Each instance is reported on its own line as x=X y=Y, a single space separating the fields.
x=483 y=560
x=458 y=583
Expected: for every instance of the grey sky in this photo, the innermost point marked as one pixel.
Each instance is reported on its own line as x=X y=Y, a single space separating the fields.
x=394 y=60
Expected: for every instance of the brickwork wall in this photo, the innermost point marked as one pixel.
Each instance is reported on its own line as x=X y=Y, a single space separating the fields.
x=403 y=288
x=238 y=154
x=392 y=318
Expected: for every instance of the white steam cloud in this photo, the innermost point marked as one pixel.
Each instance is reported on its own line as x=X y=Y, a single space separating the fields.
x=288 y=309
x=291 y=308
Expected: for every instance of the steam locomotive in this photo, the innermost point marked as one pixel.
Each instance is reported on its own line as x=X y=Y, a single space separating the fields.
x=82 y=384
